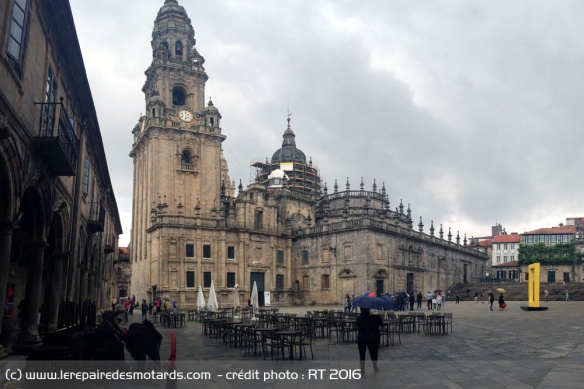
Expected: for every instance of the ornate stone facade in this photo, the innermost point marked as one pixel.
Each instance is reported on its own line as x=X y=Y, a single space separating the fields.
x=59 y=222
x=284 y=231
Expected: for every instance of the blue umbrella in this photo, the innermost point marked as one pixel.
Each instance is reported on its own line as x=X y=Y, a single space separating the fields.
x=370 y=301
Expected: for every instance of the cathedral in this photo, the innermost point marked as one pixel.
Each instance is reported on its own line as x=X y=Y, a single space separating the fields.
x=287 y=232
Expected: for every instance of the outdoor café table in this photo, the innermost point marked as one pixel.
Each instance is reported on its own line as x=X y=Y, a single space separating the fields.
x=289 y=337
x=435 y=324
x=262 y=333
x=239 y=332
x=348 y=328
x=320 y=326
x=231 y=328
x=211 y=324
x=407 y=323
x=191 y=314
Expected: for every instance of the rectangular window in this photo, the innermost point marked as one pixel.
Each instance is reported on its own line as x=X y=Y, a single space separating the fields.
x=305 y=283
x=526 y=276
x=207 y=279
x=279 y=281
x=190 y=279
x=529 y=239
x=498 y=259
x=325 y=255
x=86 y=177
x=190 y=250
x=348 y=252
x=258 y=220
x=49 y=107
x=280 y=257
x=553 y=239
x=15 y=48
x=566 y=277
x=505 y=259
x=305 y=257
x=207 y=251
x=504 y=246
x=231 y=279
x=326 y=282
x=230 y=252
x=512 y=258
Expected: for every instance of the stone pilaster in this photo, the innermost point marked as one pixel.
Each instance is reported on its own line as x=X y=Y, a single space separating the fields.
x=29 y=334
x=6 y=229
x=57 y=292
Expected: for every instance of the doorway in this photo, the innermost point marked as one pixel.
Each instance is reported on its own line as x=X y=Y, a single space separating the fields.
x=258 y=277
x=410 y=282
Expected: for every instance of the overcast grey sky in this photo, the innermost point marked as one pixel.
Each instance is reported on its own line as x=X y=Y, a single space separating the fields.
x=470 y=111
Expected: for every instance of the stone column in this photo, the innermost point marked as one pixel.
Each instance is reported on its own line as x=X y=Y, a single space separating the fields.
x=57 y=291
x=82 y=284
x=91 y=285
x=6 y=229
x=29 y=334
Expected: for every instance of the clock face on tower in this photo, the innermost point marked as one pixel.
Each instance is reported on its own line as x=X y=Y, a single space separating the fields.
x=185 y=115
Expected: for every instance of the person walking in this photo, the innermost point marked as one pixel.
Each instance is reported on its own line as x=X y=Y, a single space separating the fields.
x=347 y=303
x=429 y=300
x=545 y=294
x=457 y=298
x=368 y=337
x=419 y=298
x=567 y=296
x=351 y=306
x=502 y=304
x=476 y=297
x=144 y=310
x=491 y=299
x=439 y=301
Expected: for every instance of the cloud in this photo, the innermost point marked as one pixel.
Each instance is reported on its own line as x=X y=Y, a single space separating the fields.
x=468 y=111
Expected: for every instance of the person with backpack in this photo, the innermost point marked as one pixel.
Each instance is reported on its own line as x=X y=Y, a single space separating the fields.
x=491 y=299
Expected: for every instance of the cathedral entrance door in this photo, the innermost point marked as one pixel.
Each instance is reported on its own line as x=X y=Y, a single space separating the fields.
x=410 y=283
x=379 y=287
x=258 y=277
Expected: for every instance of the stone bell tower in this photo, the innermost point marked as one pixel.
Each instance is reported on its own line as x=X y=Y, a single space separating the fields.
x=178 y=162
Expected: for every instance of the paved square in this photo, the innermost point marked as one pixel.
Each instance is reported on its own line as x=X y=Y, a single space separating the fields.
x=487 y=349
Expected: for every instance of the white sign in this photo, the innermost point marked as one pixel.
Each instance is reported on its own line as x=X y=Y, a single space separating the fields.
x=267 y=299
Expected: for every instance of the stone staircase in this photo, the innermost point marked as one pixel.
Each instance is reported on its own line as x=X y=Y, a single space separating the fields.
x=516 y=291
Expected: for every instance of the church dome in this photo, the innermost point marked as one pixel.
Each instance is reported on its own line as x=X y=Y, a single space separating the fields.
x=171 y=6
x=289 y=152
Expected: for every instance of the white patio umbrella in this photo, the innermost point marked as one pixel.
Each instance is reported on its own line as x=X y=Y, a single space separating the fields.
x=254 y=296
x=212 y=304
x=200 y=299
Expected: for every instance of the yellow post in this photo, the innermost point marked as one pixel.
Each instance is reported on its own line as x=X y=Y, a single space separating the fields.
x=533 y=291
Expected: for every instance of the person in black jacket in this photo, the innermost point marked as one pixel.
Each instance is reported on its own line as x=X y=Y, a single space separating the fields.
x=368 y=336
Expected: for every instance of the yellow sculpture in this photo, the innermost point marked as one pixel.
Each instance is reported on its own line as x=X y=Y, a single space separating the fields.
x=533 y=281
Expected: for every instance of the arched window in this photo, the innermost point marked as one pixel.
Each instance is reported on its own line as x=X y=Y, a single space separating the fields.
x=178 y=49
x=178 y=96
x=186 y=156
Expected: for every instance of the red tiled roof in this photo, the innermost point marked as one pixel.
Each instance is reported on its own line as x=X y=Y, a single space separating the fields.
x=124 y=250
x=485 y=243
x=507 y=238
x=552 y=231
x=507 y=264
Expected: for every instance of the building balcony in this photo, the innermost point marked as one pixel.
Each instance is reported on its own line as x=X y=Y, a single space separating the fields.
x=96 y=220
x=58 y=148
